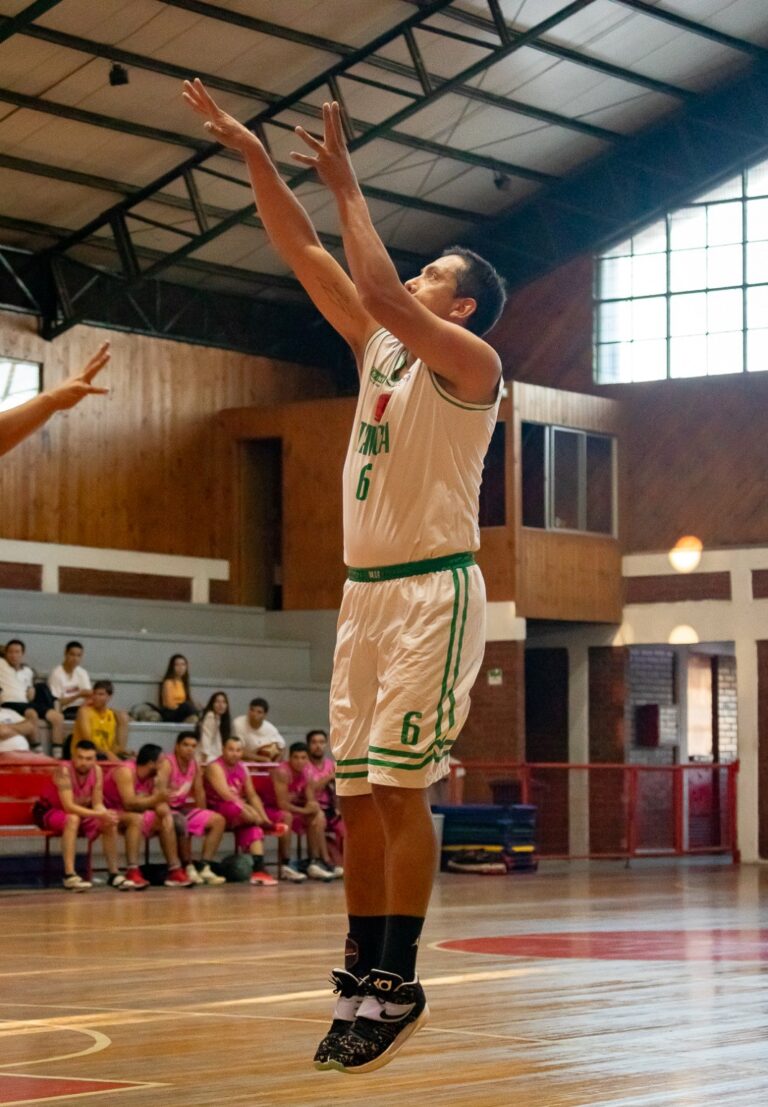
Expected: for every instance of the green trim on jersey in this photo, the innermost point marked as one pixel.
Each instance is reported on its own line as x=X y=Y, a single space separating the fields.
x=412 y=568
x=460 y=403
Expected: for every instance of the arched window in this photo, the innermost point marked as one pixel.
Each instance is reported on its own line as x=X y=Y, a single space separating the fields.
x=688 y=296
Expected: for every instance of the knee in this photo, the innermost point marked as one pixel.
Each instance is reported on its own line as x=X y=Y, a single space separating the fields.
x=217 y=822
x=73 y=822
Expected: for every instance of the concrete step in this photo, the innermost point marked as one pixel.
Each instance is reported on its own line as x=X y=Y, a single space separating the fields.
x=120 y=650
x=173 y=619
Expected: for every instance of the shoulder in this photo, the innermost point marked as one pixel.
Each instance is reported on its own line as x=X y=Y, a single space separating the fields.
x=239 y=725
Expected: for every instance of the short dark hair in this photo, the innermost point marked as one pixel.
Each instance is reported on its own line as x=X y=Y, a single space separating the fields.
x=74 y=646
x=186 y=734
x=259 y=701
x=231 y=738
x=103 y=686
x=298 y=747
x=478 y=279
x=85 y=744
x=312 y=733
x=16 y=642
x=149 y=752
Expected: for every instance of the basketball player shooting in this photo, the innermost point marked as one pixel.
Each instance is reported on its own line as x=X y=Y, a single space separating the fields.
x=411 y=630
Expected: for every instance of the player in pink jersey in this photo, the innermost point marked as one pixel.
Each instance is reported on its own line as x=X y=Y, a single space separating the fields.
x=295 y=792
x=143 y=810
x=263 y=780
x=181 y=776
x=322 y=770
x=229 y=790
x=72 y=803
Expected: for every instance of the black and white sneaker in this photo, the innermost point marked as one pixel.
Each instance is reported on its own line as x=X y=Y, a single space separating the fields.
x=350 y=992
x=393 y=1009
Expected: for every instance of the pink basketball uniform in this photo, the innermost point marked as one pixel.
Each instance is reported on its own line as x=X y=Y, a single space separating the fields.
x=180 y=785
x=236 y=776
x=82 y=793
x=317 y=772
x=146 y=787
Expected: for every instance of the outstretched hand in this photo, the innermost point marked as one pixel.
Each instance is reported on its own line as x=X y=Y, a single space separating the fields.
x=76 y=388
x=221 y=126
x=331 y=157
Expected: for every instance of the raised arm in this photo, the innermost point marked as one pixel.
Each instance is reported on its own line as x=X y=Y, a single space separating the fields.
x=21 y=421
x=469 y=364
x=288 y=225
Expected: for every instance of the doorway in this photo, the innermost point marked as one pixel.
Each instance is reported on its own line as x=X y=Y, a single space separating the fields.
x=261 y=523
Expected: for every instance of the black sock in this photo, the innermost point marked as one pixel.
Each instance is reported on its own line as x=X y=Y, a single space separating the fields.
x=401 y=945
x=257 y=861
x=362 y=951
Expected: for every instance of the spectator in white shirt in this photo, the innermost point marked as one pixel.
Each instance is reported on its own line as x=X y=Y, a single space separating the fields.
x=261 y=740
x=18 y=693
x=15 y=732
x=214 y=728
x=69 y=682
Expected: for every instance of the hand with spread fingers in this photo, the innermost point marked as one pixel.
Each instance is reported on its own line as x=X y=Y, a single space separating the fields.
x=331 y=157
x=221 y=126
x=77 y=387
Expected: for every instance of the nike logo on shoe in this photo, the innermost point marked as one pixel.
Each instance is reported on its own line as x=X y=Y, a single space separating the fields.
x=395 y=1018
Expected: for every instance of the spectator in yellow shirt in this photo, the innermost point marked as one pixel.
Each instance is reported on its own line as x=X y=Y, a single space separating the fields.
x=98 y=722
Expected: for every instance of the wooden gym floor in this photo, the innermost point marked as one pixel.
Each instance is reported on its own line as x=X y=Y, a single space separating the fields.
x=640 y=988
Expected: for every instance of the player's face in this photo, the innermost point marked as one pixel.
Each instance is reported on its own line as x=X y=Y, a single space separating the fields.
x=83 y=760
x=256 y=716
x=232 y=752
x=299 y=760
x=317 y=744
x=187 y=748
x=435 y=286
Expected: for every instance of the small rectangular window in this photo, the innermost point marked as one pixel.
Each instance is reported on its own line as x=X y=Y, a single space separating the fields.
x=534 y=478
x=566 y=514
x=568 y=479
x=599 y=484
x=19 y=381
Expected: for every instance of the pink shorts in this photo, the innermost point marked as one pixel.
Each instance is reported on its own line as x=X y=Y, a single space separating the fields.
x=244 y=835
x=275 y=816
x=197 y=819
x=56 y=820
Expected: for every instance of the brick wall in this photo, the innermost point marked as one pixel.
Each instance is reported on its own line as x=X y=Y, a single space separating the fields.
x=728 y=718
x=495 y=729
x=652 y=680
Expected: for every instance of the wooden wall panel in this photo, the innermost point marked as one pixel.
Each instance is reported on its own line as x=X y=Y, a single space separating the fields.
x=14 y=574
x=148 y=467
x=677 y=587
x=569 y=576
x=135 y=586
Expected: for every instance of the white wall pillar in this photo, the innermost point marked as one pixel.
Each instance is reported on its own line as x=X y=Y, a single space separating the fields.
x=746 y=678
x=578 y=747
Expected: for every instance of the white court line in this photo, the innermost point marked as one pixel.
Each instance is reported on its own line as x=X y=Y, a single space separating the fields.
x=100 y=1042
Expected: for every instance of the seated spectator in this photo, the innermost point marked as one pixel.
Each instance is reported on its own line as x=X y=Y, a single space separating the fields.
x=176 y=703
x=229 y=790
x=130 y=790
x=97 y=721
x=295 y=793
x=322 y=771
x=264 y=785
x=214 y=728
x=15 y=731
x=261 y=740
x=18 y=692
x=181 y=776
x=69 y=682
x=72 y=803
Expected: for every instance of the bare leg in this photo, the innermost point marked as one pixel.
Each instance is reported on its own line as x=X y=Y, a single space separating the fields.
x=69 y=843
x=411 y=848
x=213 y=835
x=32 y=720
x=132 y=823
x=56 y=722
x=364 y=884
x=109 y=845
x=185 y=849
x=316 y=837
x=121 y=732
x=166 y=832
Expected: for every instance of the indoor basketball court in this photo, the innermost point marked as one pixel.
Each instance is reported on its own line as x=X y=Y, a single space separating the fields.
x=523 y=605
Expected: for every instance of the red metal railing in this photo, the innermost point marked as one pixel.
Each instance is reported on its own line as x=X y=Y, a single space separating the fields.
x=612 y=810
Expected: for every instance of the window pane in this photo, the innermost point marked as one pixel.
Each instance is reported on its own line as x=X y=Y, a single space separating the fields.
x=757 y=180
x=688 y=313
x=615 y=278
x=688 y=228
x=621 y=249
x=649 y=360
x=757 y=219
x=649 y=274
x=688 y=357
x=724 y=266
x=688 y=270
x=757 y=262
x=493 y=488
x=757 y=351
x=724 y=224
x=727 y=191
x=565 y=474
x=19 y=382
x=599 y=484
x=614 y=363
x=534 y=484
x=757 y=306
x=615 y=321
x=725 y=353
x=724 y=310
x=653 y=240
x=649 y=318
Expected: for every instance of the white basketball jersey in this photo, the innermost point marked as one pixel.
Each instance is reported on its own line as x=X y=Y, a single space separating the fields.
x=414 y=463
